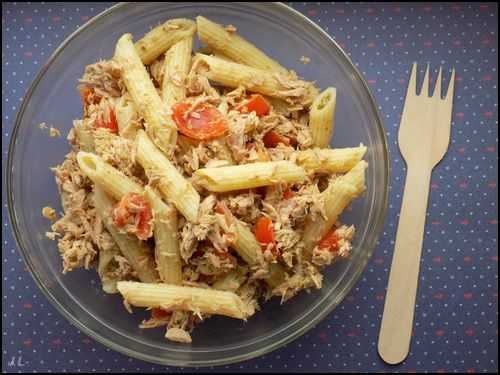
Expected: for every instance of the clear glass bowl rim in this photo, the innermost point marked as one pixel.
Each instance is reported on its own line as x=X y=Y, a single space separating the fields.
x=379 y=222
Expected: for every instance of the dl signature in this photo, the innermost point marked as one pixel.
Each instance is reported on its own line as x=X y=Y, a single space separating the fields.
x=16 y=362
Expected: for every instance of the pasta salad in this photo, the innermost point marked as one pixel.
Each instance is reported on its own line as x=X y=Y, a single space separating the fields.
x=202 y=183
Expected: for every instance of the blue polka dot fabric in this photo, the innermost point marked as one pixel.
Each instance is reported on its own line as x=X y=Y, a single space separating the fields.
x=456 y=320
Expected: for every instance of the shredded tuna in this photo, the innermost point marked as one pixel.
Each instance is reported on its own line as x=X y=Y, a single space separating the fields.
x=231 y=29
x=49 y=213
x=305 y=276
x=119 y=152
x=77 y=225
x=244 y=206
x=104 y=77
x=305 y=60
x=235 y=96
x=54 y=132
x=240 y=128
x=214 y=262
x=249 y=293
x=188 y=241
x=294 y=90
x=197 y=84
x=178 y=335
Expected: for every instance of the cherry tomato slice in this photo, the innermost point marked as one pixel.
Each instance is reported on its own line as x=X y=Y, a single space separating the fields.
x=287 y=194
x=134 y=209
x=272 y=139
x=264 y=231
x=329 y=241
x=157 y=313
x=204 y=122
x=256 y=103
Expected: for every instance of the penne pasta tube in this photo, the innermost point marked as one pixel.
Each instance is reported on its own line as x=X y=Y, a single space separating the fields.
x=230 y=44
x=127 y=117
x=337 y=196
x=247 y=176
x=176 y=67
x=171 y=184
x=111 y=180
x=159 y=124
x=339 y=160
x=162 y=37
x=167 y=255
x=174 y=298
x=246 y=245
x=266 y=82
x=321 y=117
x=137 y=252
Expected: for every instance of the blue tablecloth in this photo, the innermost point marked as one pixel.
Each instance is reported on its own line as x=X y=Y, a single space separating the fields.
x=456 y=326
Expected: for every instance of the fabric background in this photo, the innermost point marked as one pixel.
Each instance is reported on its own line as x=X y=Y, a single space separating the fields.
x=456 y=326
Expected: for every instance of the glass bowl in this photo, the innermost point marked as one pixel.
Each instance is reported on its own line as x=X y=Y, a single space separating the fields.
x=284 y=34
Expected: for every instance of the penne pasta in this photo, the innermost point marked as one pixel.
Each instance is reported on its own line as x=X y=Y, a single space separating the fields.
x=137 y=252
x=339 y=160
x=230 y=44
x=127 y=117
x=162 y=37
x=266 y=82
x=167 y=255
x=246 y=244
x=321 y=117
x=337 y=196
x=176 y=67
x=247 y=176
x=159 y=124
x=110 y=179
x=174 y=298
x=171 y=184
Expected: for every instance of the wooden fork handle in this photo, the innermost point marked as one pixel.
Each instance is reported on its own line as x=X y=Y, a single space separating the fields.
x=399 y=308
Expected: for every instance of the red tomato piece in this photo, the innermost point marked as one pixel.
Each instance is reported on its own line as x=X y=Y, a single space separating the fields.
x=157 y=313
x=135 y=210
x=272 y=139
x=329 y=241
x=88 y=96
x=220 y=208
x=256 y=103
x=204 y=122
x=264 y=231
x=111 y=125
x=288 y=193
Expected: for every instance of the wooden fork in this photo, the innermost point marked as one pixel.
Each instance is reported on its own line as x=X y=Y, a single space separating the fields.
x=424 y=136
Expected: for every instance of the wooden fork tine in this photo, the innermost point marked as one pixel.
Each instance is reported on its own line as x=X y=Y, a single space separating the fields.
x=412 y=84
x=437 y=88
x=425 y=84
x=451 y=87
